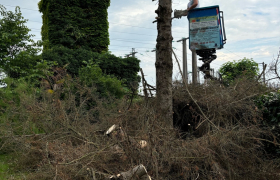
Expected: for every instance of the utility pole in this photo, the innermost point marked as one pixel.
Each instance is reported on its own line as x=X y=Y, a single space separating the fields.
x=131 y=54
x=194 y=67
x=185 y=65
x=263 y=73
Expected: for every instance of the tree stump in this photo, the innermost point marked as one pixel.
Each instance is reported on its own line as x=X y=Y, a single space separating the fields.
x=137 y=173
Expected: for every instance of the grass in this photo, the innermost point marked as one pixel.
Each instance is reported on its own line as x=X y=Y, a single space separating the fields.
x=6 y=171
x=4 y=166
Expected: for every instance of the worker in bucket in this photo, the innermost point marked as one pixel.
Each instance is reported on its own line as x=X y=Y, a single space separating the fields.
x=191 y=5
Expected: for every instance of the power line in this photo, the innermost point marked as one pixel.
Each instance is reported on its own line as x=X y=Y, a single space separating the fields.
x=123 y=40
x=35 y=21
x=132 y=41
x=109 y=22
x=116 y=32
x=21 y=8
x=130 y=47
x=131 y=33
x=132 y=26
x=199 y=61
x=233 y=52
x=120 y=50
x=37 y=10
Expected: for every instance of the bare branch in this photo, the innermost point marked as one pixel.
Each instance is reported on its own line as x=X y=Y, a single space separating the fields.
x=191 y=95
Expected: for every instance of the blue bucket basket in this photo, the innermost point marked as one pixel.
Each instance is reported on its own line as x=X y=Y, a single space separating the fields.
x=206 y=28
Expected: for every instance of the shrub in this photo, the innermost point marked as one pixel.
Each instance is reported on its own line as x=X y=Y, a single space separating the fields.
x=269 y=104
x=91 y=75
x=244 y=67
x=124 y=69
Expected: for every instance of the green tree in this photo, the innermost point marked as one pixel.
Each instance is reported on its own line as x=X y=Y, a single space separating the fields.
x=91 y=75
x=244 y=67
x=76 y=31
x=124 y=69
x=18 y=52
x=75 y=24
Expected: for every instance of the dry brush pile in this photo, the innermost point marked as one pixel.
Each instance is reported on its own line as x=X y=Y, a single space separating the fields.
x=223 y=142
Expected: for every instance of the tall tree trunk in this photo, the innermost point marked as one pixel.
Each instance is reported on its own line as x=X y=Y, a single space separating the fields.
x=163 y=63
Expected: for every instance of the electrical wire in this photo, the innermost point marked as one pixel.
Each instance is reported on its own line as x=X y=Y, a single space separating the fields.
x=122 y=40
x=21 y=7
x=233 y=53
x=109 y=22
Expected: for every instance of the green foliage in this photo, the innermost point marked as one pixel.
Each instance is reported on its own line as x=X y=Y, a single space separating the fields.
x=269 y=104
x=125 y=69
x=91 y=75
x=14 y=34
x=40 y=70
x=18 y=52
x=10 y=94
x=73 y=58
x=4 y=167
x=244 y=67
x=75 y=24
x=7 y=167
x=11 y=97
x=74 y=31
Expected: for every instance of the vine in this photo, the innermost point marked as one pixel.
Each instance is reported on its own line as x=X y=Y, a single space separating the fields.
x=75 y=24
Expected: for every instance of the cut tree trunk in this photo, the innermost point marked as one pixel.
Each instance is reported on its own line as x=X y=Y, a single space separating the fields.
x=117 y=133
x=164 y=65
x=137 y=173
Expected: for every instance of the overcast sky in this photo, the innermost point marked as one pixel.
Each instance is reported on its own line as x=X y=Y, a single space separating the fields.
x=252 y=28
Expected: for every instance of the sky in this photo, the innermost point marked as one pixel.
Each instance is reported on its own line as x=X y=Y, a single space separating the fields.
x=252 y=29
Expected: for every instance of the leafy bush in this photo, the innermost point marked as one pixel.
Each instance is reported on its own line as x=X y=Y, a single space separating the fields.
x=91 y=75
x=10 y=94
x=269 y=104
x=12 y=115
x=71 y=58
x=124 y=69
x=244 y=67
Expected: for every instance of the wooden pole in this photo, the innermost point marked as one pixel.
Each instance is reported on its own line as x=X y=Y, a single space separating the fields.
x=164 y=65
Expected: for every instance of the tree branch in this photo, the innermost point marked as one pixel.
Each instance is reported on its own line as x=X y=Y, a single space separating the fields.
x=184 y=80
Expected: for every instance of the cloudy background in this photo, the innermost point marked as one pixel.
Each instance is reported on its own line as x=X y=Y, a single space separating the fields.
x=252 y=28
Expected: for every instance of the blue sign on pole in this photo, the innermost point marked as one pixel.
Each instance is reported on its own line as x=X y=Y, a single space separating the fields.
x=205 y=30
